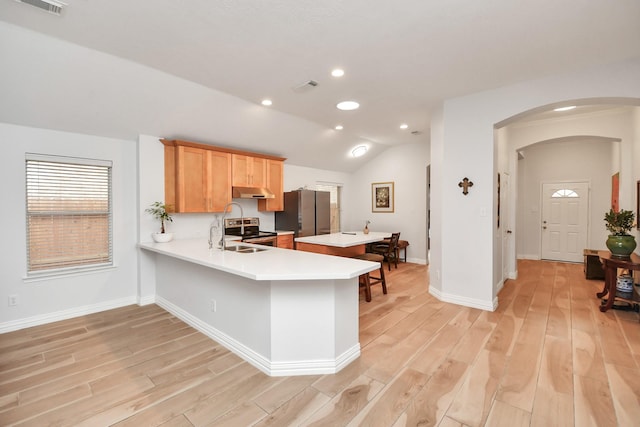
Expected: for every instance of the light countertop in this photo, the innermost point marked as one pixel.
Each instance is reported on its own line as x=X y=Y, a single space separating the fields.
x=270 y=264
x=344 y=239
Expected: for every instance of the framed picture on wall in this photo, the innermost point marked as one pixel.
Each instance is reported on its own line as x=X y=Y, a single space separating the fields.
x=382 y=197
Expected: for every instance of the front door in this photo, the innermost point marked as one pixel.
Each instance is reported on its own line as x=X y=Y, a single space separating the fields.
x=564 y=221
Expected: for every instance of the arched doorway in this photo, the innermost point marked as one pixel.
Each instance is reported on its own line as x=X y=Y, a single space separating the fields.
x=556 y=135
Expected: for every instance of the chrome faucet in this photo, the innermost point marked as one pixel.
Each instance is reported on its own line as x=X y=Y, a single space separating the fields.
x=222 y=241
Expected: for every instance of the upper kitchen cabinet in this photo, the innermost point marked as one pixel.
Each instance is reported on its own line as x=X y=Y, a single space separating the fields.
x=196 y=179
x=275 y=183
x=199 y=177
x=249 y=171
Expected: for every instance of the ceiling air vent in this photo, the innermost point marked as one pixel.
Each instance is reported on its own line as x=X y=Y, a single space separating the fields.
x=305 y=86
x=51 y=6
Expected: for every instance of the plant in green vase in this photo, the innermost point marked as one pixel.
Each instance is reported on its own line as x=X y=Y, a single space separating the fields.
x=619 y=223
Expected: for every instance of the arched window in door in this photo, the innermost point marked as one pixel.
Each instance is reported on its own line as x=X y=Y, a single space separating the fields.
x=565 y=193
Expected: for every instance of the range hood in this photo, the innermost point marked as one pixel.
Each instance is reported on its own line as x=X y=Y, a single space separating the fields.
x=252 y=193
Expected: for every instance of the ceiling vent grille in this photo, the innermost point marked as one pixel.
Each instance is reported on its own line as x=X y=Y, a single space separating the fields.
x=51 y=6
x=305 y=86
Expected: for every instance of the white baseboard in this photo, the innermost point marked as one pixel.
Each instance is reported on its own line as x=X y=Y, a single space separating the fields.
x=28 y=322
x=147 y=300
x=534 y=257
x=274 y=369
x=467 y=302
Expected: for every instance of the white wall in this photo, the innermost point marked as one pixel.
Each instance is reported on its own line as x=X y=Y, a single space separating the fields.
x=54 y=298
x=466 y=145
x=406 y=166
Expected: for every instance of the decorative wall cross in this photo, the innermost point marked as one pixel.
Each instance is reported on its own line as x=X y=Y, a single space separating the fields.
x=465 y=184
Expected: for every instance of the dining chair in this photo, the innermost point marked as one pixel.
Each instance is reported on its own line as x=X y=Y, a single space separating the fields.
x=389 y=250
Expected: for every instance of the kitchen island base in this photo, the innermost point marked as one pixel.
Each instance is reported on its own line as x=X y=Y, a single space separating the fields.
x=282 y=327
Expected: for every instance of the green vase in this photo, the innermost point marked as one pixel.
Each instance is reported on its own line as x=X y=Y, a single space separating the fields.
x=621 y=246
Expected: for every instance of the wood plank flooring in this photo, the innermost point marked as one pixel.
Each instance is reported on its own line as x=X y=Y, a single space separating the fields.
x=546 y=357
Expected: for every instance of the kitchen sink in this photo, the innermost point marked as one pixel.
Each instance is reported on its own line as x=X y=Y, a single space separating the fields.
x=243 y=249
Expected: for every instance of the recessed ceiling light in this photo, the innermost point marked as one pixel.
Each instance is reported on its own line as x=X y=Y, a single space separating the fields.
x=404 y=126
x=339 y=127
x=359 y=151
x=570 y=107
x=337 y=72
x=348 y=105
x=266 y=102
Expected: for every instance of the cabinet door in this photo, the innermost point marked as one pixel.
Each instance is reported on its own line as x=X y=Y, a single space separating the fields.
x=240 y=170
x=274 y=182
x=219 y=192
x=258 y=172
x=285 y=241
x=191 y=179
x=249 y=171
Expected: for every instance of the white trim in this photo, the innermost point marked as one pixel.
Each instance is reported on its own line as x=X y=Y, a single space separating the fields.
x=68 y=159
x=28 y=322
x=288 y=368
x=59 y=273
x=467 y=302
x=149 y=299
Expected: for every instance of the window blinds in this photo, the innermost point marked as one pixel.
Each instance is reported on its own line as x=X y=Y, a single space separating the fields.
x=69 y=218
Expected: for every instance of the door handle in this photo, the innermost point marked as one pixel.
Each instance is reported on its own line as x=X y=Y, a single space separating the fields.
x=509 y=232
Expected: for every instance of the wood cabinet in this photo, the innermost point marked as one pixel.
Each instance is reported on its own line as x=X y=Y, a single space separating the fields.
x=285 y=241
x=196 y=179
x=249 y=171
x=199 y=177
x=275 y=183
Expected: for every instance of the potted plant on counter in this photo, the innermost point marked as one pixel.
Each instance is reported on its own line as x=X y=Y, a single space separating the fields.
x=619 y=223
x=159 y=211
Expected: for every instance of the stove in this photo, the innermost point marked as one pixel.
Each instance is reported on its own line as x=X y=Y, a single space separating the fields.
x=252 y=233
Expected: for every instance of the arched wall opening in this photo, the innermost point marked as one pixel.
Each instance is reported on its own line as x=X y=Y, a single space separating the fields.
x=468 y=139
x=590 y=144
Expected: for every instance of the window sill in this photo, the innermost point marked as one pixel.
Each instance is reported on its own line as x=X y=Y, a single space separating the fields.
x=39 y=277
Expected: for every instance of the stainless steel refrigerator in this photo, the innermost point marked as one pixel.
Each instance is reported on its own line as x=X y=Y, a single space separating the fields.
x=306 y=213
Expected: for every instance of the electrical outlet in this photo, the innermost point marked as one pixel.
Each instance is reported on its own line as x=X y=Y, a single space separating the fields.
x=13 y=300
x=213 y=305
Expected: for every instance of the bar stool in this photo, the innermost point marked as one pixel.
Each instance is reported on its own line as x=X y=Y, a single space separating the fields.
x=366 y=279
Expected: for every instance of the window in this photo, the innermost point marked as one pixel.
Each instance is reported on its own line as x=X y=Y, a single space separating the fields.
x=334 y=189
x=564 y=193
x=69 y=218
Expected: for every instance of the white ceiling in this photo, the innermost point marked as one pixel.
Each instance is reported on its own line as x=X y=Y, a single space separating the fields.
x=401 y=58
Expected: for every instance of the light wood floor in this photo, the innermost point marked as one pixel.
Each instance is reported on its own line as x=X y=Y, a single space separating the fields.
x=546 y=357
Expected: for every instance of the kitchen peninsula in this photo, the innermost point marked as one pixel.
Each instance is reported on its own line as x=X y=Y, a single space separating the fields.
x=286 y=312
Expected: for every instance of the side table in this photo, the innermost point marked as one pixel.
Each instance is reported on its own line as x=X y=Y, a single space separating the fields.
x=611 y=265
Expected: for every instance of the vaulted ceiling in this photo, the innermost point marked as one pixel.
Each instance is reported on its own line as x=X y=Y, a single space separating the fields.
x=401 y=58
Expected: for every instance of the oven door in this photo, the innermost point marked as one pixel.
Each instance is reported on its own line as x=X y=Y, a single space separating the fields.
x=265 y=241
